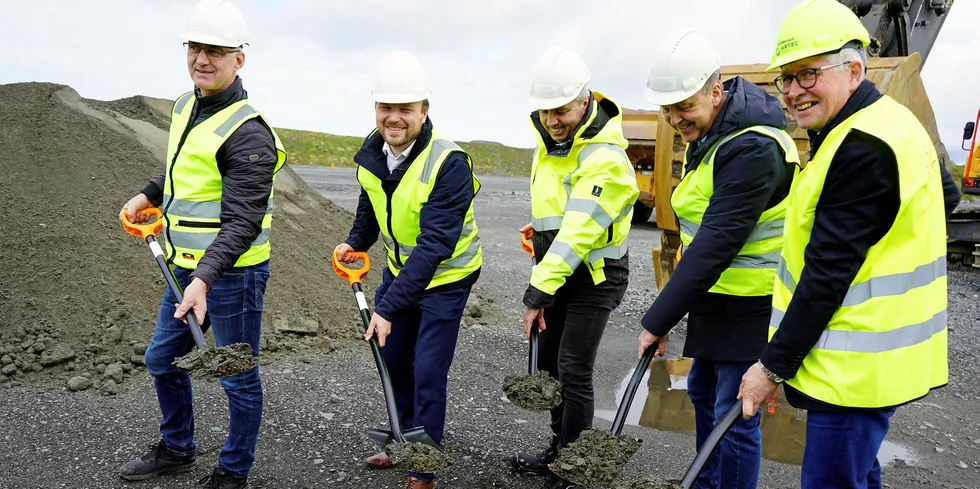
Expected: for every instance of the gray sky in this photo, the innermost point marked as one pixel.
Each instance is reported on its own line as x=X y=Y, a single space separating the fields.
x=310 y=63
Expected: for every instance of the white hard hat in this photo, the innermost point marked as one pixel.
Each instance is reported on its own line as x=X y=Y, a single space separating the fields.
x=216 y=22
x=682 y=64
x=558 y=77
x=400 y=79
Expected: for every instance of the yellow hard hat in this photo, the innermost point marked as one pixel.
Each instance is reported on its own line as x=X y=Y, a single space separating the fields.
x=816 y=27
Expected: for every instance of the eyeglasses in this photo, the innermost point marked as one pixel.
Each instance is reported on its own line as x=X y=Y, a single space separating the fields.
x=214 y=53
x=805 y=78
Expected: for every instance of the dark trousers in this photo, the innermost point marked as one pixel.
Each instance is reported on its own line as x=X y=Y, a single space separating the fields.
x=418 y=353
x=235 y=304
x=567 y=351
x=842 y=448
x=713 y=389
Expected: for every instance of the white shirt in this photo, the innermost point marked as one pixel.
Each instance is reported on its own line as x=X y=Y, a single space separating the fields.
x=394 y=161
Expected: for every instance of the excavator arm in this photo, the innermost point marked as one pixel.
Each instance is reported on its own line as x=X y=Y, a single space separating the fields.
x=901 y=27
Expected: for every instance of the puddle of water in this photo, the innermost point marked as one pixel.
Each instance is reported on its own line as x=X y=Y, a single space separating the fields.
x=664 y=406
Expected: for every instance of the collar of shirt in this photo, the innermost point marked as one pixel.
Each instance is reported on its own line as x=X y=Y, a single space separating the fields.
x=394 y=161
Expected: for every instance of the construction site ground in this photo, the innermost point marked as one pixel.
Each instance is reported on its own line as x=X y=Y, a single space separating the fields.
x=79 y=298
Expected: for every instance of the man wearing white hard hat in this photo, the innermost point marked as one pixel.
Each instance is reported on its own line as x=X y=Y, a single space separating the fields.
x=582 y=193
x=216 y=198
x=417 y=191
x=730 y=203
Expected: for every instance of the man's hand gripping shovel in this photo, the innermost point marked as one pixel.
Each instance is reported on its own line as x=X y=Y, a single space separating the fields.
x=213 y=363
x=415 y=441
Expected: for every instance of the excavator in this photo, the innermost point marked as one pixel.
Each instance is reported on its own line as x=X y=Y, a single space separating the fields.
x=902 y=34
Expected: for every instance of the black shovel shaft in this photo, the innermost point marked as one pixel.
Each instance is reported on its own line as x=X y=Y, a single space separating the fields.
x=168 y=274
x=624 y=405
x=710 y=444
x=532 y=357
x=389 y=391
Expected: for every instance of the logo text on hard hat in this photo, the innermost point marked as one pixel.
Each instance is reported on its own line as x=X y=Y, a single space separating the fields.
x=545 y=91
x=662 y=82
x=786 y=44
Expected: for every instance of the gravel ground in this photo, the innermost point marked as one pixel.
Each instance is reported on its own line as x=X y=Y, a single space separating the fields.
x=316 y=410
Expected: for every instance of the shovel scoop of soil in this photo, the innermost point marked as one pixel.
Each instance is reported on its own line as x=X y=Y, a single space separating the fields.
x=221 y=362
x=538 y=392
x=595 y=459
x=418 y=457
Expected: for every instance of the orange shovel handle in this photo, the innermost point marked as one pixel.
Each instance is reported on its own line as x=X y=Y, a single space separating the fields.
x=352 y=275
x=145 y=229
x=526 y=243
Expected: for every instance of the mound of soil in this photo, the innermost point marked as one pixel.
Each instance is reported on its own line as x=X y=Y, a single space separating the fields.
x=80 y=296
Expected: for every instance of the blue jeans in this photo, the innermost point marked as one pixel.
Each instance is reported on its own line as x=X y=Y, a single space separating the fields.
x=713 y=389
x=418 y=353
x=842 y=449
x=235 y=314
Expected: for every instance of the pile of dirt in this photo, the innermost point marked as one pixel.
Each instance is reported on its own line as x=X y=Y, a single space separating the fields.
x=595 y=459
x=80 y=296
x=538 y=392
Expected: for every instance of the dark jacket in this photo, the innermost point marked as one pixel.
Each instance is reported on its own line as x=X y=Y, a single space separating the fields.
x=616 y=270
x=441 y=220
x=858 y=205
x=246 y=162
x=750 y=176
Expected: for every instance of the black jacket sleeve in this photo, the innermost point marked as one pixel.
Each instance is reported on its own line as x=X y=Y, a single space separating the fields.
x=857 y=206
x=247 y=162
x=950 y=191
x=154 y=189
x=441 y=223
x=748 y=171
x=364 y=232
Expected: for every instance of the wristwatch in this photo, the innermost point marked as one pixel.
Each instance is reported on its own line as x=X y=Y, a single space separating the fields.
x=769 y=373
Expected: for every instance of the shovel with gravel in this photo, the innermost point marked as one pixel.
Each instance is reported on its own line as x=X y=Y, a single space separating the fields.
x=412 y=448
x=536 y=391
x=596 y=458
x=212 y=363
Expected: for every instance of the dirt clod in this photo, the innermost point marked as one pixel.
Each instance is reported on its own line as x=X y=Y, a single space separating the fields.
x=538 y=392
x=221 y=362
x=418 y=457
x=595 y=459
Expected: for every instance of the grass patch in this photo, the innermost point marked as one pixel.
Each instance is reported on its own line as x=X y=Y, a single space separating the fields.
x=321 y=149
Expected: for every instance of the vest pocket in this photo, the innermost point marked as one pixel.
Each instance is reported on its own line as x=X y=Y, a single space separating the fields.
x=198 y=224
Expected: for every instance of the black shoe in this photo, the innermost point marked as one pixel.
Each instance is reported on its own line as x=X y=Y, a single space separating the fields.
x=220 y=479
x=158 y=460
x=535 y=463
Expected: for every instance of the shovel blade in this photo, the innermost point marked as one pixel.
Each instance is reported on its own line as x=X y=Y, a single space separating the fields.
x=382 y=438
x=418 y=435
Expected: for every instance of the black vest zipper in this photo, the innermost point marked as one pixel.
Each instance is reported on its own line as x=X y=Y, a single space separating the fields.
x=170 y=177
x=398 y=255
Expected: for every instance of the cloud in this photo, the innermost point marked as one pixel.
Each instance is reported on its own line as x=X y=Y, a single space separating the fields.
x=310 y=63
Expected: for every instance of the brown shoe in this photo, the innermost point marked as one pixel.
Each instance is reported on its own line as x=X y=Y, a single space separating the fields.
x=413 y=483
x=379 y=461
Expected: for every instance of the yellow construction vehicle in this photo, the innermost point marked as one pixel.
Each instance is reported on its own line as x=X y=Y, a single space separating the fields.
x=902 y=31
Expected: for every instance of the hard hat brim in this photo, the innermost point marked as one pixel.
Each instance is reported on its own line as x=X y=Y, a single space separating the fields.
x=537 y=103
x=398 y=98
x=212 y=39
x=660 y=98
